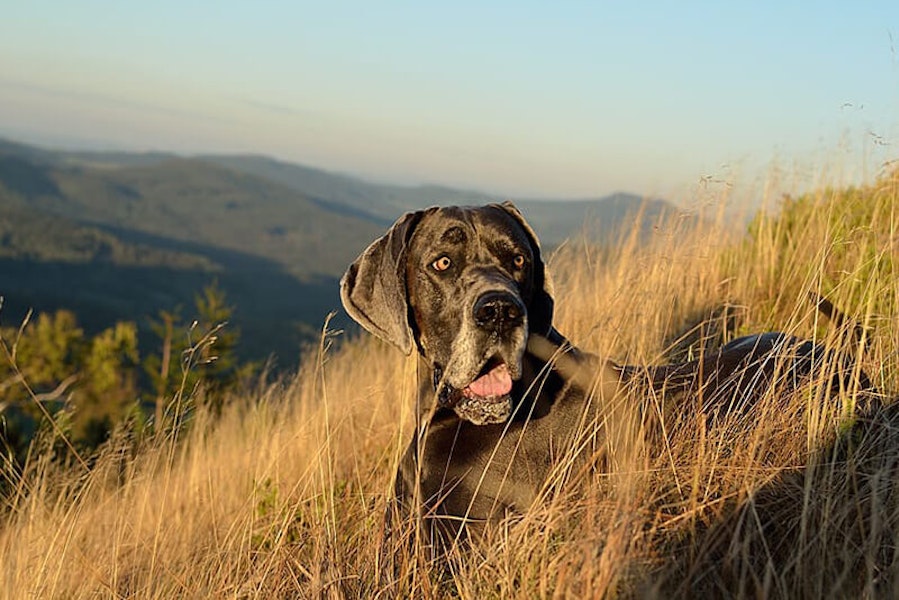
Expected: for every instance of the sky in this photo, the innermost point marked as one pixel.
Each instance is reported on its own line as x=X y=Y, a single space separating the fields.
x=540 y=99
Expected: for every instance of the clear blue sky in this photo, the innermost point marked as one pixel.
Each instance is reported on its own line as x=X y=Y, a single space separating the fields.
x=537 y=98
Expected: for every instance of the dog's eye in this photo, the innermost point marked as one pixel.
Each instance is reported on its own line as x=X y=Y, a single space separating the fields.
x=442 y=264
x=518 y=261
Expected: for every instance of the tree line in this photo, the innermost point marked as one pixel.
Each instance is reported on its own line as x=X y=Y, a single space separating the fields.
x=54 y=375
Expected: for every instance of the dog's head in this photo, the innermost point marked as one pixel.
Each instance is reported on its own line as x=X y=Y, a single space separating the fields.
x=464 y=286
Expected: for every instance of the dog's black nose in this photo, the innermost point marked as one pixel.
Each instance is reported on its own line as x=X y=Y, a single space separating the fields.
x=498 y=311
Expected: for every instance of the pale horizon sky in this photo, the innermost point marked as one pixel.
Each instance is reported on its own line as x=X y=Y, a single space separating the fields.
x=563 y=99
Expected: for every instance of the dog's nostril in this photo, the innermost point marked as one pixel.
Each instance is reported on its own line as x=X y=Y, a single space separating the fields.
x=512 y=312
x=486 y=314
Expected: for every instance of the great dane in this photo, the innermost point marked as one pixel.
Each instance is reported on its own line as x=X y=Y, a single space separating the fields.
x=467 y=289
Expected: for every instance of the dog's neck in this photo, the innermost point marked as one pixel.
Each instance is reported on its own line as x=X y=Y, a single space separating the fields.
x=584 y=371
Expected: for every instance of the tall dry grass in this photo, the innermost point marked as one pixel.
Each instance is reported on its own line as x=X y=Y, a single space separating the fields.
x=284 y=494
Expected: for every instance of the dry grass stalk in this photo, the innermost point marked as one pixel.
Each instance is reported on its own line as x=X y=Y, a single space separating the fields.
x=284 y=494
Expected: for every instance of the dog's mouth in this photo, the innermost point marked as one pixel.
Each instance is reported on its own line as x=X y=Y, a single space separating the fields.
x=493 y=381
x=487 y=399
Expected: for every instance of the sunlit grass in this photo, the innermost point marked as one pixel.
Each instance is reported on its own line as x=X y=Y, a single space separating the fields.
x=285 y=494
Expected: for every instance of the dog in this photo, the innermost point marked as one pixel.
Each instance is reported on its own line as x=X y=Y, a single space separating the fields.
x=467 y=289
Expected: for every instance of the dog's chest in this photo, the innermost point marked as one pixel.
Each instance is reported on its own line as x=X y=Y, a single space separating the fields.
x=504 y=465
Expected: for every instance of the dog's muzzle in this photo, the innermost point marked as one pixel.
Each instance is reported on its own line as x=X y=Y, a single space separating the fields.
x=480 y=391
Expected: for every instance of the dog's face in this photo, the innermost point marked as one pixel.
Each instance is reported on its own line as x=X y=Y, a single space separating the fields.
x=465 y=286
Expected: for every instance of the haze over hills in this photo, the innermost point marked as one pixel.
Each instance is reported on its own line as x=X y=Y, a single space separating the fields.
x=555 y=220
x=123 y=235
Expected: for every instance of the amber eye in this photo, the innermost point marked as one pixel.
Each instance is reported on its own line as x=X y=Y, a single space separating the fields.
x=442 y=264
x=518 y=261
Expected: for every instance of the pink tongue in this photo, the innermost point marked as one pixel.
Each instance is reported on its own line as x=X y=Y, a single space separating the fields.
x=497 y=382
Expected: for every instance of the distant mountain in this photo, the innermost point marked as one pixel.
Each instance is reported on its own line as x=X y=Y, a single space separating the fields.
x=123 y=242
x=123 y=235
x=554 y=220
x=601 y=221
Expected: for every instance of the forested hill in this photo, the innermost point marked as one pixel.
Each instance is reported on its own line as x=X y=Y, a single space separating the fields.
x=121 y=236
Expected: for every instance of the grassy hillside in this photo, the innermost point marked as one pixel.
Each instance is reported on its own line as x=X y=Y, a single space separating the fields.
x=284 y=495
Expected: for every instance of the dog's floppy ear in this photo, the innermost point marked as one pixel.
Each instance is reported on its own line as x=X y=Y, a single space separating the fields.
x=373 y=289
x=540 y=312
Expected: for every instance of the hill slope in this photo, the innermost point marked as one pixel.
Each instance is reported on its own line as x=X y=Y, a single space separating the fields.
x=120 y=236
x=554 y=220
x=285 y=494
x=125 y=242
